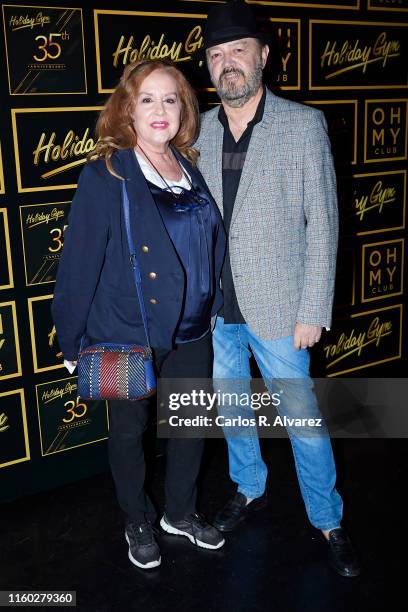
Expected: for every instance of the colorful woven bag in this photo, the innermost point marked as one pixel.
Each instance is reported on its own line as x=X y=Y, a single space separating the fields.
x=115 y=371
x=110 y=370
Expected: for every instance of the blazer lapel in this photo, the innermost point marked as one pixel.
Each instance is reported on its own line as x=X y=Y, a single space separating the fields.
x=260 y=136
x=144 y=215
x=216 y=170
x=213 y=138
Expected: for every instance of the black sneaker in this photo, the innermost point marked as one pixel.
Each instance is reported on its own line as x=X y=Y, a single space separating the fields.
x=196 y=529
x=143 y=549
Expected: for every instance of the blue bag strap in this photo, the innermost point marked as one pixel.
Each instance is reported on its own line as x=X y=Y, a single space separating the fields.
x=82 y=342
x=133 y=260
x=134 y=264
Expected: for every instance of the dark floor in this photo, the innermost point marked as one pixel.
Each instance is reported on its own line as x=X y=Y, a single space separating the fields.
x=72 y=538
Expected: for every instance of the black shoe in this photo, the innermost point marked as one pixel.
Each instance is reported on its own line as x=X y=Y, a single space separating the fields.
x=236 y=511
x=196 y=529
x=143 y=549
x=341 y=553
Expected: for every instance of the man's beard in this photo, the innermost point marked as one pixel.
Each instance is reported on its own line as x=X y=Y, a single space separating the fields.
x=237 y=95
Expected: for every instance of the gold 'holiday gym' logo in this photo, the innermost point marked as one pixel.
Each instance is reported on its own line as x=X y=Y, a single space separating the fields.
x=343 y=56
x=69 y=152
x=128 y=50
x=364 y=340
x=44 y=50
x=357 y=55
x=122 y=37
x=32 y=220
x=20 y=22
x=357 y=341
x=51 y=145
x=56 y=393
x=65 y=420
x=377 y=200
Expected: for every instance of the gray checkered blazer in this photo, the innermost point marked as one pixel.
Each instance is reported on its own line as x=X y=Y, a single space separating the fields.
x=284 y=227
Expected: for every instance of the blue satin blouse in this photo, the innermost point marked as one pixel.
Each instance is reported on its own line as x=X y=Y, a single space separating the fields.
x=192 y=227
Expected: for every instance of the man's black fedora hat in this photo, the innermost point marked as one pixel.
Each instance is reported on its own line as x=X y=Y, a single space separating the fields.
x=231 y=21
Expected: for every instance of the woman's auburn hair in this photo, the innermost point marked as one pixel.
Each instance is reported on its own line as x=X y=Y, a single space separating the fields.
x=114 y=128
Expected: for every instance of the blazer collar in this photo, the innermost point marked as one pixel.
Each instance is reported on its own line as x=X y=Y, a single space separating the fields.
x=130 y=168
x=196 y=177
x=145 y=211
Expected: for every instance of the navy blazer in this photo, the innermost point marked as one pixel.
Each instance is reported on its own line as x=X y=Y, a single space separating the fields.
x=95 y=290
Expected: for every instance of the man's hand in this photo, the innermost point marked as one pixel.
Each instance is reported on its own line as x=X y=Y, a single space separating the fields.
x=306 y=335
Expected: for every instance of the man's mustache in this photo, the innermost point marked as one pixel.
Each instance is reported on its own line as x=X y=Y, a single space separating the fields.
x=231 y=71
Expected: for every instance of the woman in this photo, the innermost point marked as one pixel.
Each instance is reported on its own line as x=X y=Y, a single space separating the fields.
x=145 y=133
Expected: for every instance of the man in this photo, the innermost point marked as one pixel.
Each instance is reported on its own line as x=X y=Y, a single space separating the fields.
x=268 y=164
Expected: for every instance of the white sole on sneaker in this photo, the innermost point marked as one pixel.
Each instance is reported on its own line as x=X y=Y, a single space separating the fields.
x=142 y=565
x=174 y=531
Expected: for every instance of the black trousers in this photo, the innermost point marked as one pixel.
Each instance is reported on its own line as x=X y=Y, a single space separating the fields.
x=128 y=421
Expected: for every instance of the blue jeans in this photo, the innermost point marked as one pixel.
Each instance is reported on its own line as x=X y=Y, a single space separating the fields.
x=278 y=362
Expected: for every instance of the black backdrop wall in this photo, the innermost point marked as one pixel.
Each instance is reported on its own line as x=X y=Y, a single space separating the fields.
x=59 y=64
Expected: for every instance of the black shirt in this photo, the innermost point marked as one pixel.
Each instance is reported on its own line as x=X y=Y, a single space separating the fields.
x=233 y=159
